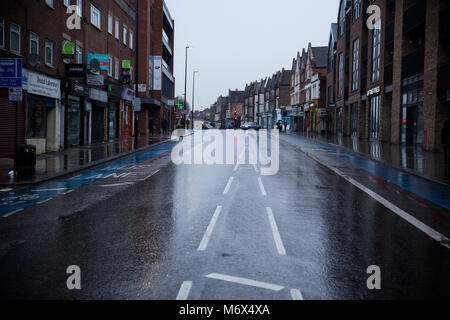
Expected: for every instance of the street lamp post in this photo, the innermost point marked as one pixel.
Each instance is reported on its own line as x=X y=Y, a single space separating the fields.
x=193 y=96
x=185 y=79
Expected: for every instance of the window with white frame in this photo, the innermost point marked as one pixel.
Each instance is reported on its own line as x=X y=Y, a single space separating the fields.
x=125 y=38
x=116 y=28
x=131 y=39
x=48 y=53
x=355 y=70
x=110 y=67
x=80 y=8
x=49 y=3
x=67 y=3
x=110 y=23
x=34 y=43
x=116 y=74
x=14 y=38
x=79 y=54
x=95 y=16
x=376 y=52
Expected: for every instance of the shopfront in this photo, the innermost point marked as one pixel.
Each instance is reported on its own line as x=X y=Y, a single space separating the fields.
x=99 y=100
x=43 y=112
x=127 y=112
x=412 y=111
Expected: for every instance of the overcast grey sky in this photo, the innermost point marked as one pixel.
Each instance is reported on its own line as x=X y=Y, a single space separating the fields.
x=238 y=41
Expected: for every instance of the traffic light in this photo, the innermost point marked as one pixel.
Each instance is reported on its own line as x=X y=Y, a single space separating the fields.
x=235 y=115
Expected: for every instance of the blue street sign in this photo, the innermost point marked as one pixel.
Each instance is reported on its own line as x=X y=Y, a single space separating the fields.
x=10 y=72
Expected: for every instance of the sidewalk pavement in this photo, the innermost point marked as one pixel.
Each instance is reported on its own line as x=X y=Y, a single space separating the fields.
x=55 y=164
x=414 y=160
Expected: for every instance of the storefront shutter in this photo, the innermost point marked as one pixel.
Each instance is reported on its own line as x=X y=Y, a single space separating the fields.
x=7 y=114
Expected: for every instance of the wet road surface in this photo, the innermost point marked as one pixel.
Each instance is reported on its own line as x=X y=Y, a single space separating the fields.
x=149 y=229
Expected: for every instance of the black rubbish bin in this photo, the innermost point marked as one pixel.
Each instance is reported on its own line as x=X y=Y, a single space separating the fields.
x=25 y=161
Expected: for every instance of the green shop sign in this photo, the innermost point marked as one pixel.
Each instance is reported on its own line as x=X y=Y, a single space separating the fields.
x=68 y=49
x=126 y=64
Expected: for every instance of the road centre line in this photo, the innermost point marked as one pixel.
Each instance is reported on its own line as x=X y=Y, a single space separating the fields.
x=435 y=235
x=261 y=187
x=185 y=288
x=44 y=201
x=209 y=230
x=228 y=186
x=276 y=233
x=243 y=281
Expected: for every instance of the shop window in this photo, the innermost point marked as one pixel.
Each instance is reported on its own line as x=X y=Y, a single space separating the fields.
x=36 y=120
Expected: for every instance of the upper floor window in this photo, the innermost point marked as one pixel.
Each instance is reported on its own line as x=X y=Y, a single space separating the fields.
x=116 y=74
x=49 y=3
x=341 y=75
x=49 y=53
x=116 y=28
x=110 y=23
x=342 y=18
x=80 y=8
x=125 y=37
x=67 y=3
x=79 y=54
x=14 y=38
x=355 y=70
x=131 y=39
x=95 y=16
x=330 y=57
x=34 y=43
x=376 y=52
x=110 y=66
x=2 y=33
x=357 y=9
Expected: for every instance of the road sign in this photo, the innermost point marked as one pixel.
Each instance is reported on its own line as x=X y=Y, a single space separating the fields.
x=10 y=72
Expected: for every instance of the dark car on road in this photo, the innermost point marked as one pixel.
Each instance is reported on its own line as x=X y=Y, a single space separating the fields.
x=251 y=126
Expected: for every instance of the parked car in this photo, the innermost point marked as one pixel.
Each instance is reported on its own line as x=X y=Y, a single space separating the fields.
x=251 y=126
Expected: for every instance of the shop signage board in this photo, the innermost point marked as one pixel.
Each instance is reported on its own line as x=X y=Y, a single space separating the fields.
x=43 y=85
x=142 y=87
x=137 y=104
x=103 y=59
x=10 y=72
x=373 y=91
x=68 y=49
x=95 y=79
x=157 y=73
x=15 y=94
x=75 y=70
x=126 y=64
x=98 y=95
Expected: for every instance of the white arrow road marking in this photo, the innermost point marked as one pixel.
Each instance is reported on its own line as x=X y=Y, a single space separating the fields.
x=247 y=282
x=227 y=188
x=184 y=290
x=276 y=233
x=5 y=190
x=401 y=213
x=212 y=224
x=116 y=185
x=261 y=186
x=296 y=294
x=151 y=175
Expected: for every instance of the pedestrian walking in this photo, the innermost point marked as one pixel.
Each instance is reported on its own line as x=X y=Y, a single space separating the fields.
x=285 y=126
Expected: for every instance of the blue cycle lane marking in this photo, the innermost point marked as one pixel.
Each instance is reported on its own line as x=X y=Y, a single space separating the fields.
x=17 y=200
x=428 y=190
